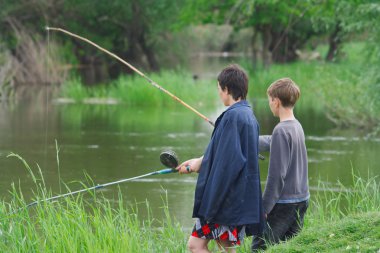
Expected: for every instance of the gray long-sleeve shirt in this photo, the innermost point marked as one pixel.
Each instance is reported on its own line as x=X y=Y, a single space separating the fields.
x=287 y=180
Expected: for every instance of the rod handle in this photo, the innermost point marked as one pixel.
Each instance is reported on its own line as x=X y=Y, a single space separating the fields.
x=166 y=171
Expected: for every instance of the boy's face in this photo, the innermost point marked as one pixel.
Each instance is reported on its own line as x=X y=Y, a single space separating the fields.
x=224 y=96
x=274 y=104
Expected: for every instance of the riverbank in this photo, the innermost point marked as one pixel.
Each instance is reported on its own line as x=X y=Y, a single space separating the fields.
x=338 y=219
x=353 y=233
x=327 y=87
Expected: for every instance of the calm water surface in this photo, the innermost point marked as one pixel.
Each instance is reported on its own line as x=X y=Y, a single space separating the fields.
x=112 y=142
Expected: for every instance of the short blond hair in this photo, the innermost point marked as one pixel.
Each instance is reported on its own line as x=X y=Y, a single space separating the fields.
x=286 y=90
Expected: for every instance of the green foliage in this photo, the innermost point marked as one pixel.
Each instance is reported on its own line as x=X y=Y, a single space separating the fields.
x=354 y=233
x=78 y=225
x=364 y=17
x=133 y=90
x=128 y=28
x=245 y=13
x=135 y=30
x=347 y=219
x=282 y=26
x=326 y=86
x=340 y=90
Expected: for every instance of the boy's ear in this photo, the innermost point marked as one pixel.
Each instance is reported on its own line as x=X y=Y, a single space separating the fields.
x=278 y=101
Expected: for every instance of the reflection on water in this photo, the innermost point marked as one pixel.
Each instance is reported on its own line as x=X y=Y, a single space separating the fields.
x=111 y=142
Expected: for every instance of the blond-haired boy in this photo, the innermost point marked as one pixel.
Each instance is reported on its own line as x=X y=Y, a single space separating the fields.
x=286 y=194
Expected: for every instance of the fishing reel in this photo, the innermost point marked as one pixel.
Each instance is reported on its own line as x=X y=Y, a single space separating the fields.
x=169 y=159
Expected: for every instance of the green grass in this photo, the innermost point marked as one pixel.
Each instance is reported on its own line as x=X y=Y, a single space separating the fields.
x=74 y=224
x=135 y=90
x=343 y=90
x=346 y=220
x=347 y=95
x=353 y=233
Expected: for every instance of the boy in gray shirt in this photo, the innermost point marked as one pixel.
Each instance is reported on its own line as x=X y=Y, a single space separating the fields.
x=286 y=194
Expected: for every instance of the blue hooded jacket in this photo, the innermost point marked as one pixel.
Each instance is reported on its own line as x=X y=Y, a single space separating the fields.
x=228 y=190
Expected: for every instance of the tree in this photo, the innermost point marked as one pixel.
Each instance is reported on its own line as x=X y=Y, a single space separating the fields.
x=329 y=20
x=128 y=28
x=362 y=16
x=282 y=25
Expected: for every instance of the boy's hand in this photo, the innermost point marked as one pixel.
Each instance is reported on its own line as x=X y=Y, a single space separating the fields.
x=192 y=165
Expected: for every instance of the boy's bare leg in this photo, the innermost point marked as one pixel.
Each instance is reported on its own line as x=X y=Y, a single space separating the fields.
x=226 y=246
x=197 y=245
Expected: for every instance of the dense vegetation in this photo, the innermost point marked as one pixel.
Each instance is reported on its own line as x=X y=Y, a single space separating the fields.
x=347 y=219
x=159 y=35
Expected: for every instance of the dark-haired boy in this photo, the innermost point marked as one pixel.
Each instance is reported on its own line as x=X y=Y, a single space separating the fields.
x=228 y=202
x=286 y=194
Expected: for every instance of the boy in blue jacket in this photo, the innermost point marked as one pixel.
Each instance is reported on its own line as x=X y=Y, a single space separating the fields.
x=228 y=202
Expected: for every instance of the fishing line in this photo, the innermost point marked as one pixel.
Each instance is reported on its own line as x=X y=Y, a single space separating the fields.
x=137 y=71
x=46 y=95
x=168 y=158
x=134 y=69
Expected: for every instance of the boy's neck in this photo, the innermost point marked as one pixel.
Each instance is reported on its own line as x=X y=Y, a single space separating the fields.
x=231 y=101
x=285 y=114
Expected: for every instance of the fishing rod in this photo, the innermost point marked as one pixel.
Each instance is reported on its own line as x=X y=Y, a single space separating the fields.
x=168 y=158
x=134 y=69
x=137 y=71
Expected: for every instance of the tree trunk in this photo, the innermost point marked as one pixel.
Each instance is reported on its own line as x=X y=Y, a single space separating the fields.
x=267 y=40
x=255 y=51
x=86 y=64
x=149 y=53
x=334 y=44
x=284 y=46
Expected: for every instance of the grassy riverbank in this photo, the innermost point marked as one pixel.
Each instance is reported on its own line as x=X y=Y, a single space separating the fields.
x=348 y=98
x=343 y=219
x=340 y=89
x=353 y=233
x=338 y=219
x=135 y=90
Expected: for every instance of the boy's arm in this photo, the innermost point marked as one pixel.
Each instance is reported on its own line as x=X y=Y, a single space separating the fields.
x=278 y=167
x=264 y=142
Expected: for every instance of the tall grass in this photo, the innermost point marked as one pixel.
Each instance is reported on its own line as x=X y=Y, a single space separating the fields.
x=75 y=224
x=347 y=97
x=97 y=224
x=135 y=90
x=339 y=89
x=362 y=197
x=347 y=219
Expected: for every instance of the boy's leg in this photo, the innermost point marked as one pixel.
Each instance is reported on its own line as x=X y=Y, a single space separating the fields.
x=258 y=243
x=226 y=246
x=278 y=222
x=296 y=227
x=198 y=245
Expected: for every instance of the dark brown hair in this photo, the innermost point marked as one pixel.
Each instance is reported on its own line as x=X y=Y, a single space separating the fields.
x=286 y=90
x=236 y=81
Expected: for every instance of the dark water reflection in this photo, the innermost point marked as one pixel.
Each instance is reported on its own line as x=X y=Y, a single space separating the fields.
x=113 y=142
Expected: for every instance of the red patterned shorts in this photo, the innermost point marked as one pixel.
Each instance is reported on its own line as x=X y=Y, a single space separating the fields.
x=214 y=231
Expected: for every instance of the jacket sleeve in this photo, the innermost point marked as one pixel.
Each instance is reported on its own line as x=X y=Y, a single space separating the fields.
x=226 y=167
x=278 y=167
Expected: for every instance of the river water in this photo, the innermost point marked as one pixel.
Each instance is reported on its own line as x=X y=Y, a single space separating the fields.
x=112 y=142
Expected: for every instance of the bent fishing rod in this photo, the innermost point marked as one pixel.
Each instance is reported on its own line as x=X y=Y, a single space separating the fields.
x=134 y=69
x=168 y=158
x=137 y=71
